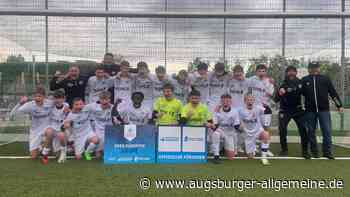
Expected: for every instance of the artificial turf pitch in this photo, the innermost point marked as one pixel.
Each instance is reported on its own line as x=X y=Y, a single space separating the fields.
x=25 y=177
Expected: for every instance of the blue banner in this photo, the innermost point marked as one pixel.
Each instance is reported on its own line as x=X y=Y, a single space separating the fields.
x=130 y=144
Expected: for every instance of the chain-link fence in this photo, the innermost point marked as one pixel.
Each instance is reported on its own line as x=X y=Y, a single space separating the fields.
x=277 y=32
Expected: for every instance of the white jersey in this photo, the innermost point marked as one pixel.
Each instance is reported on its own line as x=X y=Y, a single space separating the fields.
x=227 y=120
x=81 y=123
x=57 y=117
x=101 y=117
x=137 y=116
x=94 y=87
x=40 y=115
x=237 y=89
x=158 y=86
x=261 y=89
x=144 y=85
x=217 y=87
x=202 y=85
x=123 y=88
x=181 y=90
x=251 y=119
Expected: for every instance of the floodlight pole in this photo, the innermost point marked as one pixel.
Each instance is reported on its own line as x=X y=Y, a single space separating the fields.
x=224 y=49
x=107 y=28
x=343 y=63
x=46 y=47
x=165 y=35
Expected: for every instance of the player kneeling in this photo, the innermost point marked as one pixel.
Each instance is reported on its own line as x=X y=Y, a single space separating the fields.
x=100 y=113
x=226 y=124
x=135 y=113
x=78 y=121
x=250 y=116
x=54 y=136
x=39 y=110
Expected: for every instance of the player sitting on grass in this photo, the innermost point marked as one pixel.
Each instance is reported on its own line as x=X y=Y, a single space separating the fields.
x=100 y=113
x=135 y=113
x=195 y=113
x=250 y=116
x=167 y=108
x=226 y=124
x=78 y=121
x=39 y=110
x=54 y=137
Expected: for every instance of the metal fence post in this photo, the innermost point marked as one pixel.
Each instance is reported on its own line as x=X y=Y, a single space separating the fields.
x=343 y=63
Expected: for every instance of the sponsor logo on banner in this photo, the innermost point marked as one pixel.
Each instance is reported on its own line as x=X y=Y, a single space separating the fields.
x=130 y=132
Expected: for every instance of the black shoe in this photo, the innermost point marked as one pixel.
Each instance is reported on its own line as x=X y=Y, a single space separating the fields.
x=283 y=153
x=216 y=160
x=329 y=156
x=315 y=155
x=306 y=155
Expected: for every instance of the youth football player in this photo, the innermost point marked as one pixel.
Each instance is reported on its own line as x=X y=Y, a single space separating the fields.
x=217 y=85
x=144 y=83
x=96 y=84
x=226 y=124
x=250 y=116
x=79 y=122
x=159 y=81
x=167 y=108
x=39 y=110
x=135 y=113
x=181 y=85
x=200 y=82
x=123 y=84
x=54 y=137
x=195 y=113
x=101 y=115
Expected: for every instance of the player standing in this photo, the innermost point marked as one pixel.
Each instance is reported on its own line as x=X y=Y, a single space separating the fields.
x=39 y=110
x=123 y=84
x=96 y=84
x=200 y=81
x=159 y=81
x=262 y=90
x=181 y=86
x=217 y=85
x=143 y=82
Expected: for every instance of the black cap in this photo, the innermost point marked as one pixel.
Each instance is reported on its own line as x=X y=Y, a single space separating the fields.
x=293 y=68
x=313 y=65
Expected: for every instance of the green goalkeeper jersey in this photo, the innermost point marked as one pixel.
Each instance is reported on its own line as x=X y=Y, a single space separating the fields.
x=200 y=114
x=169 y=109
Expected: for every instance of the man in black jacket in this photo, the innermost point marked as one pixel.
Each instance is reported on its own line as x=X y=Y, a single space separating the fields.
x=289 y=96
x=317 y=89
x=73 y=84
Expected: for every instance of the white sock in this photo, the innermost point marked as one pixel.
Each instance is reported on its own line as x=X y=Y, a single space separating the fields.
x=91 y=147
x=45 y=151
x=265 y=147
x=63 y=148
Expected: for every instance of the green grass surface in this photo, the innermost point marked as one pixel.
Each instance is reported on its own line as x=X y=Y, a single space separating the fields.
x=24 y=177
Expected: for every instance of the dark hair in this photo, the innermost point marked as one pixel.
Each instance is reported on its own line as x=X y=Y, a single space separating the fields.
x=142 y=64
x=100 y=67
x=261 y=67
x=125 y=63
x=109 y=54
x=160 y=69
x=168 y=86
x=219 y=66
x=105 y=94
x=59 y=93
x=202 y=66
x=289 y=68
x=194 y=93
x=238 y=68
x=137 y=94
x=40 y=90
x=77 y=99
x=226 y=96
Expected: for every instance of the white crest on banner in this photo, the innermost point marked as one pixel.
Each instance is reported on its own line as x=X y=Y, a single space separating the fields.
x=129 y=132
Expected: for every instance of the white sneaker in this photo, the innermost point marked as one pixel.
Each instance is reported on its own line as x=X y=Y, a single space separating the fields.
x=63 y=156
x=240 y=150
x=264 y=159
x=269 y=154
